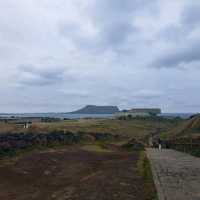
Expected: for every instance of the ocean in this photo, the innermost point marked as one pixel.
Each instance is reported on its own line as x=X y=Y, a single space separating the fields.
x=81 y=116
x=181 y=115
x=57 y=115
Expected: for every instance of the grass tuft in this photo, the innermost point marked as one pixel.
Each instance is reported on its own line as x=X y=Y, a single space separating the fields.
x=145 y=172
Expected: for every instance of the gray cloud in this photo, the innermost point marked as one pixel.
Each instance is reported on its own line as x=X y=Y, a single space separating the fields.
x=114 y=20
x=183 y=38
x=191 y=15
x=129 y=53
x=112 y=23
x=33 y=76
x=179 y=57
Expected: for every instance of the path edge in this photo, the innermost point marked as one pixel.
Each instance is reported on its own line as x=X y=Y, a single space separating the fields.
x=157 y=183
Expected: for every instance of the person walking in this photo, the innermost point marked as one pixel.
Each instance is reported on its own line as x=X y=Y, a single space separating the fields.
x=159 y=144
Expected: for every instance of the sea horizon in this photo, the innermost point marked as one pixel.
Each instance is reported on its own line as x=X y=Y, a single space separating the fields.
x=66 y=115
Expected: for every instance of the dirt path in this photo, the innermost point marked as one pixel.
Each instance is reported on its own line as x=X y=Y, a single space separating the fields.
x=177 y=175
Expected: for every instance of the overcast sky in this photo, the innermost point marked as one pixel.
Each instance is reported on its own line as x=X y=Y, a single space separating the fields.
x=59 y=55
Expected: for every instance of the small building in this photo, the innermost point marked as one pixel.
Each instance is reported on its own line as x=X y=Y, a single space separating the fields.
x=24 y=125
x=27 y=124
x=139 y=112
x=19 y=122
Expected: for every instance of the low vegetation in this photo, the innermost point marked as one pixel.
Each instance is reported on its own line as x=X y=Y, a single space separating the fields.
x=93 y=151
x=67 y=132
x=12 y=142
x=187 y=128
x=144 y=170
x=96 y=148
x=185 y=136
x=139 y=128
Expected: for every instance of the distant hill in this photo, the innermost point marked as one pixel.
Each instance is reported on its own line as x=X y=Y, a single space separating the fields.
x=190 y=127
x=92 y=109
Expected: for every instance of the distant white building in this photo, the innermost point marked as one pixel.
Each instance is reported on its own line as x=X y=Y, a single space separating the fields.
x=139 y=112
x=27 y=125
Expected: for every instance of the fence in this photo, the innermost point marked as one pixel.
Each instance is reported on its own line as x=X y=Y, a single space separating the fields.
x=187 y=145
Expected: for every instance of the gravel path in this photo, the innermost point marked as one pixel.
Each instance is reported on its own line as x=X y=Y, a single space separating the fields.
x=176 y=175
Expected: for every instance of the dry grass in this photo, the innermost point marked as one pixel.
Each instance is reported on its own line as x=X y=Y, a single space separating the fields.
x=8 y=128
x=188 y=128
x=138 y=128
x=95 y=148
x=144 y=170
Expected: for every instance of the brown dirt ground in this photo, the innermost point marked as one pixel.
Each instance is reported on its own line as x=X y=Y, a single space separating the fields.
x=72 y=174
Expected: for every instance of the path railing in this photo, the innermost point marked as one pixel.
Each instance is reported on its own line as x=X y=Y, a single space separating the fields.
x=187 y=145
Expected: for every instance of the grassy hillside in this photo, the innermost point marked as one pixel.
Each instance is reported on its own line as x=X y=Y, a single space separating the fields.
x=185 y=137
x=134 y=128
x=188 y=128
x=138 y=128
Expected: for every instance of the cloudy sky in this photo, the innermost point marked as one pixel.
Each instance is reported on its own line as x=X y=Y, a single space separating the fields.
x=61 y=55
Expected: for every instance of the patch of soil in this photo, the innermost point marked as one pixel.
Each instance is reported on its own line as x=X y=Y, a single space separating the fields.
x=72 y=174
